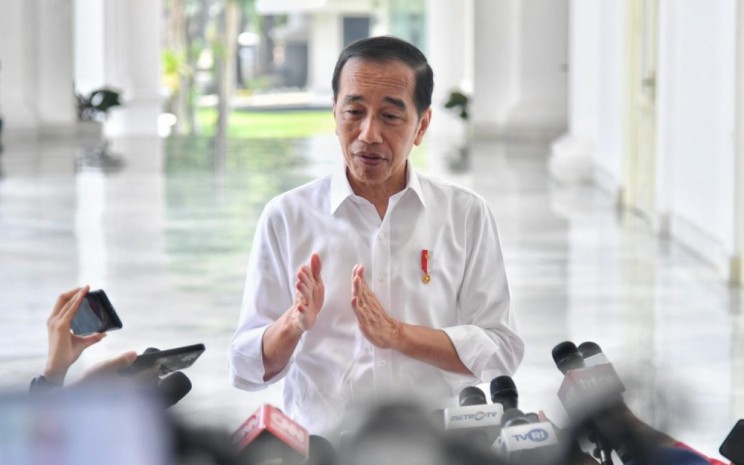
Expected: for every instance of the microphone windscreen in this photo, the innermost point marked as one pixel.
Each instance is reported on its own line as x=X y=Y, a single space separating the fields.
x=321 y=452
x=173 y=388
x=504 y=392
x=588 y=349
x=567 y=357
x=472 y=395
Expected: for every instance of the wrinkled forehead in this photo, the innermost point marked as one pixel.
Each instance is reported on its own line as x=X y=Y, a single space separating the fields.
x=393 y=78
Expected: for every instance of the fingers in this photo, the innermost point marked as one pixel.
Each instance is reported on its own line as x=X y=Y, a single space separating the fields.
x=89 y=340
x=315 y=267
x=116 y=363
x=72 y=306
x=63 y=299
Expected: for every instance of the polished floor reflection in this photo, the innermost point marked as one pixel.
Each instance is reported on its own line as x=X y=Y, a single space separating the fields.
x=167 y=235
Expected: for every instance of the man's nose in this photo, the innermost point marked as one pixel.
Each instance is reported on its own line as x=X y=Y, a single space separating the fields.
x=370 y=131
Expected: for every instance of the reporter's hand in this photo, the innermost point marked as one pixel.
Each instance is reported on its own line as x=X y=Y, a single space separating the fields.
x=64 y=347
x=109 y=367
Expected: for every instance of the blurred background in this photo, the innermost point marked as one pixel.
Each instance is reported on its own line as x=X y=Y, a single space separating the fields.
x=141 y=138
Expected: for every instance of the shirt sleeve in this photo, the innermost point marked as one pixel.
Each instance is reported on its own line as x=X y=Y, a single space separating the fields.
x=267 y=295
x=486 y=339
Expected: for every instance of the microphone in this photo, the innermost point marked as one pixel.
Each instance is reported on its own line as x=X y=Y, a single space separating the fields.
x=567 y=357
x=474 y=420
x=270 y=437
x=321 y=451
x=523 y=441
x=586 y=387
x=173 y=388
x=472 y=395
x=504 y=392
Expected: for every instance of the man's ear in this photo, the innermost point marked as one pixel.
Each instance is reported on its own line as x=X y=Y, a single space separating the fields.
x=423 y=125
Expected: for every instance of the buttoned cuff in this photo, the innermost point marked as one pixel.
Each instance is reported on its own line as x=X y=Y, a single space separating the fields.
x=246 y=361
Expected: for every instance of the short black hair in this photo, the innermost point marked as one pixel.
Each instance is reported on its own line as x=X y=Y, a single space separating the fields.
x=387 y=48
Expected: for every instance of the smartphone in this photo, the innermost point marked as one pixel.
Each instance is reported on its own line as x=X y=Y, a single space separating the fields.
x=167 y=361
x=95 y=315
x=733 y=447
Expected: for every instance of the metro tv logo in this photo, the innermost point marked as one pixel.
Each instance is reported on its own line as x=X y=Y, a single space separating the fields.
x=533 y=435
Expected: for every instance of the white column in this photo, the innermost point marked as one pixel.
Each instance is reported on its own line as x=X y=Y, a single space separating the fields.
x=571 y=157
x=54 y=49
x=495 y=64
x=447 y=35
x=543 y=48
x=324 y=47
x=18 y=66
x=90 y=41
x=132 y=64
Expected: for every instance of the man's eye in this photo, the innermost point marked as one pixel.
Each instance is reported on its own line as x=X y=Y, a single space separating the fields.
x=390 y=116
x=353 y=112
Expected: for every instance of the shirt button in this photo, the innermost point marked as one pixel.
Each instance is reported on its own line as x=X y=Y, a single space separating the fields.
x=381 y=279
x=381 y=237
x=382 y=363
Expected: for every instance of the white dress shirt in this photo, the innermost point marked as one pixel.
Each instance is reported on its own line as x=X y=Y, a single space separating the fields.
x=333 y=364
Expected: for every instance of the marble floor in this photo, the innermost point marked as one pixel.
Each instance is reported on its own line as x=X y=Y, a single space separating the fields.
x=167 y=234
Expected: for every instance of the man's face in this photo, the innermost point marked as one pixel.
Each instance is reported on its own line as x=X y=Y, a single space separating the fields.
x=377 y=123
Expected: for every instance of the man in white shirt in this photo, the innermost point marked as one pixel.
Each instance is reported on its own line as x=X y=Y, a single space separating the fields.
x=374 y=280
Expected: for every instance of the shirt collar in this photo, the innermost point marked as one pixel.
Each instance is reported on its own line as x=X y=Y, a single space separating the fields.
x=341 y=188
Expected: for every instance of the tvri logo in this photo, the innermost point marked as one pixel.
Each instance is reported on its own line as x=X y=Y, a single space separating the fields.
x=533 y=435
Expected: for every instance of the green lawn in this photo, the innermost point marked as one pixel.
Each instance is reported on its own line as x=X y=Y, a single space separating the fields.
x=269 y=124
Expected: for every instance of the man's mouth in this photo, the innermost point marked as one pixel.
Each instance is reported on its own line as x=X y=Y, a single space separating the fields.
x=370 y=157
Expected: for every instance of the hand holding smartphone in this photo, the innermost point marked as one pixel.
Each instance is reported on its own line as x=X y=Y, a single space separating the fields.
x=167 y=361
x=95 y=315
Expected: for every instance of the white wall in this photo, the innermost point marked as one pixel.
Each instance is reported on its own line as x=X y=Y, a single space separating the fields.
x=697 y=121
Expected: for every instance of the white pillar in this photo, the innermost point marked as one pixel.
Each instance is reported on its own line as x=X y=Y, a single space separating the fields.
x=571 y=158
x=496 y=64
x=132 y=64
x=323 y=49
x=447 y=54
x=36 y=90
x=543 y=49
x=17 y=66
x=54 y=49
x=90 y=41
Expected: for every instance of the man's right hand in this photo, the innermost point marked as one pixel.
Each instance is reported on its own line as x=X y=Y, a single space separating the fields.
x=309 y=295
x=281 y=337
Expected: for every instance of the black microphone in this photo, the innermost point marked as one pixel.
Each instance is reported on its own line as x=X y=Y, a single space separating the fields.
x=504 y=392
x=567 y=357
x=472 y=395
x=475 y=420
x=580 y=384
x=589 y=349
x=173 y=388
x=321 y=451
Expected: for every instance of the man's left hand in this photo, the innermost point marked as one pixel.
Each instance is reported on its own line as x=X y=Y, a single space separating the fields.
x=374 y=322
